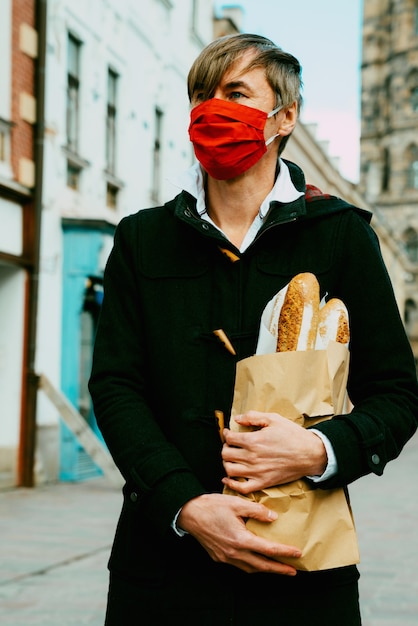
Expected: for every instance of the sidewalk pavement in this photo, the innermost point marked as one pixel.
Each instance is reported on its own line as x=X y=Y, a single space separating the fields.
x=54 y=545
x=55 y=542
x=386 y=514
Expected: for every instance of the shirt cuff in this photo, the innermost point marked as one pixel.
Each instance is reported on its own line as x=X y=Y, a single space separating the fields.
x=177 y=530
x=332 y=466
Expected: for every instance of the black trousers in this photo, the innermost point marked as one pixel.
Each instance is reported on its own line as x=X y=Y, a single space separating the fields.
x=248 y=600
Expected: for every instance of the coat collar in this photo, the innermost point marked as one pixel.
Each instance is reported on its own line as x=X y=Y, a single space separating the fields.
x=309 y=203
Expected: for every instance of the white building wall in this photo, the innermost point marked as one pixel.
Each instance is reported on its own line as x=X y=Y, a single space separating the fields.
x=150 y=44
x=12 y=306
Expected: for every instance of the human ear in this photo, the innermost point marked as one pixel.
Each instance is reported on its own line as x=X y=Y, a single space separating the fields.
x=289 y=119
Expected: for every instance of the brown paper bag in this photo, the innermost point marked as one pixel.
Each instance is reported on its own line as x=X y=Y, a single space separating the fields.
x=306 y=387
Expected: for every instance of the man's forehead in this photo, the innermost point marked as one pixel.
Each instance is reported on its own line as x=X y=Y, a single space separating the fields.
x=241 y=73
x=241 y=65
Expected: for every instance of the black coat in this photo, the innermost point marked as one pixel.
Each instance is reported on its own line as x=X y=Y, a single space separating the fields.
x=159 y=372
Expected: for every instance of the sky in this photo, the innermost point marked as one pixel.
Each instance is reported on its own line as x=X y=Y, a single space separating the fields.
x=325 y=36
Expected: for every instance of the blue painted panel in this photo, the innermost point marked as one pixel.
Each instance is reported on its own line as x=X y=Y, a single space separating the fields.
x=81 y=255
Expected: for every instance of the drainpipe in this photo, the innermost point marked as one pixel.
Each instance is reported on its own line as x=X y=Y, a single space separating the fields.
x=27 y=445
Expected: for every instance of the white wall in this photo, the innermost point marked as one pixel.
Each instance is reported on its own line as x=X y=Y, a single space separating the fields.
x=12 y=291
x=11 y=214
x=151 y=45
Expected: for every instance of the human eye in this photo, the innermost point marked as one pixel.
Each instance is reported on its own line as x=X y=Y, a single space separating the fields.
x=198 y=97
x=236 y=95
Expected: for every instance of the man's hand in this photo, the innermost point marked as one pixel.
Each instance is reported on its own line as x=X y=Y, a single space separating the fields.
x=217 y=521
x=278 y=451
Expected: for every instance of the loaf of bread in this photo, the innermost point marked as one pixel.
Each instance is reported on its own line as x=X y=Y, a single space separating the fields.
x=300 y=322
x=298 y=318
x=276 y=307
x=332 y=324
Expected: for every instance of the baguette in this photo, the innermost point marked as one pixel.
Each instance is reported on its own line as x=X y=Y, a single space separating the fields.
x=298 y=319
x=332 y=324
x=275 y=312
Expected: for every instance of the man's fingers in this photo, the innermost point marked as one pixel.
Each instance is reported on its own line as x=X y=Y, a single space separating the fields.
x=254 y=418
x=271 y=549
x=244 y=487
x=261 y=513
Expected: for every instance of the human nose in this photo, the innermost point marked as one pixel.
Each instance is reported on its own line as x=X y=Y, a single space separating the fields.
x=219 y=94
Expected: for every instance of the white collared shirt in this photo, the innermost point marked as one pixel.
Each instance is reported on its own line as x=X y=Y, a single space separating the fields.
x=283 y=191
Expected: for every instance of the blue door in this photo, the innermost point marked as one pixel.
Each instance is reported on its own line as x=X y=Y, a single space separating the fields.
x=82 y=294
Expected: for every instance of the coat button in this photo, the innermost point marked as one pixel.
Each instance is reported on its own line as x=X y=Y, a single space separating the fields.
x=133 y=496
x=376 y=459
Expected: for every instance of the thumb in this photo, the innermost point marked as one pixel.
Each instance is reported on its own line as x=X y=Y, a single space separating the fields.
x=257 y=511
x=253 y=418
x=263 y=514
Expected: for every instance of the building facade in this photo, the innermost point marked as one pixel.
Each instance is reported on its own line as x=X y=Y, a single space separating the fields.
x=389 y=133
x=93 y=120
x=116 y=114
x=19 y=208
x=321 y=170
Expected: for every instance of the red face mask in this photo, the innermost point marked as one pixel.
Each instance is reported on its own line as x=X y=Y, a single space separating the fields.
x=228 y=138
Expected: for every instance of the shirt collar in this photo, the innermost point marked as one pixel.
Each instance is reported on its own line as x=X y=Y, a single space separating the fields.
x=284 y=191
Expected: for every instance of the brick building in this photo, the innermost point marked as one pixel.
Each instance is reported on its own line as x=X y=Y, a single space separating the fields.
x=19 y=208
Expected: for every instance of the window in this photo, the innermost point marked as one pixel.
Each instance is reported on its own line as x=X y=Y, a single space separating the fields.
x=75 y=163
x=112 y=196
x=414 y=99
x=410 y=311
x=5 y=141
x=412 y=82
x=410 y=238
x=92 y=302
x=73 y=92
x=157 y=155
x=413 y=167
x=73 y=175
x=387 y=100
x=413 y=175
x=111 y=117
x=3 y=149
x=416 y=18
x=386 y=170
x=113 y=184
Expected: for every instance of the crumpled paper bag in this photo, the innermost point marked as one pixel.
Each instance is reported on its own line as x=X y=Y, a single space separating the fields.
x=306 y=387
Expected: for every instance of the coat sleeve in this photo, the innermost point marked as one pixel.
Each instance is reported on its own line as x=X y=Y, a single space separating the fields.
x=150 y=464
x=382 y=381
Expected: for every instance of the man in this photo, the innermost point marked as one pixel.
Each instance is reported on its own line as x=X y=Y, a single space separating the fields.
x=242 y=226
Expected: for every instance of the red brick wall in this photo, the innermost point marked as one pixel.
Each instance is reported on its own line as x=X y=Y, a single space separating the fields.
x=23 y=80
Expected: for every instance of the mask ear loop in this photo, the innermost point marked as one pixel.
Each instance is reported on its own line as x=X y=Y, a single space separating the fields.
x=268 y=142
x=274 y=111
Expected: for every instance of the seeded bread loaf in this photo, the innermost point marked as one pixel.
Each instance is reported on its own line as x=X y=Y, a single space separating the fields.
x=298 y=319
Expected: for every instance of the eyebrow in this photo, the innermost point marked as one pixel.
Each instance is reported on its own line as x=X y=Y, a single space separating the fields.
x=234 y=84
